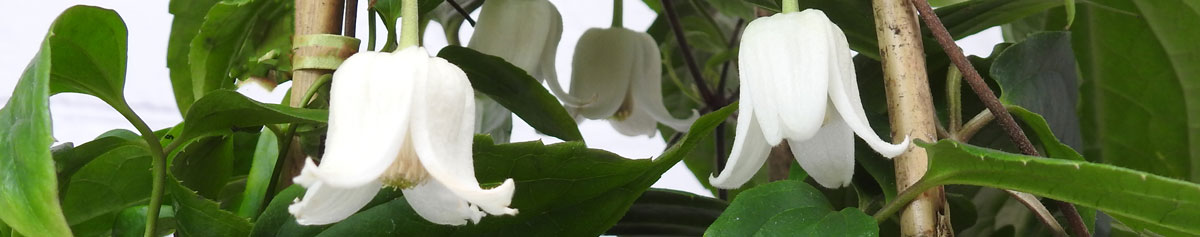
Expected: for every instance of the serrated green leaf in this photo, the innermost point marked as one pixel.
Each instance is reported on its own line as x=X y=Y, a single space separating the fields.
x=117 y=179
x=1140 y=94
x=848 y=222
x=221 y=111
x=1169 y=206
x=188 y=17
x=516 y=90
x=69 y=161
x=266 y=153
x=28 y=186
x=232 y=31
x=88 y=53
x=754 y=208
x=204 y=166
x=197 y=216
x=1039 y=75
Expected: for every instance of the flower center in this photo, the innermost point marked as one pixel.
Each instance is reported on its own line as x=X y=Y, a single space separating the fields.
x=626 y=108
x=406 y=171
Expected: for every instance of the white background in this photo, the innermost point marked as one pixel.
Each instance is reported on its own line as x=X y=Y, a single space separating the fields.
x=79 y=118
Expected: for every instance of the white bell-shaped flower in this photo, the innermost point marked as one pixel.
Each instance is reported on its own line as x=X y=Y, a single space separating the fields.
x=402 y=120
x=619 y=73
x=524 y=33
x=798 y=83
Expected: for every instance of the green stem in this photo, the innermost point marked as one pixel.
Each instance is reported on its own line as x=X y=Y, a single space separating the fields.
x=790 y=6
x=954 y=100
x=902 y=200
x=159 y=164
x=371 y=29
x=285 y=139
x=410 y=32
x=618 y=18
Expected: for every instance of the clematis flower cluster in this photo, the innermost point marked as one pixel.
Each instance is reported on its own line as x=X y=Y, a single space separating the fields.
x=618 y=72
x=400 y=120
x=524 y=33
x=798 y=84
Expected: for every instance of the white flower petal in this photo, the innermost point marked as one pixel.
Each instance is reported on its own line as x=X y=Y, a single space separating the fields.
x=646 y=86
x=437 y=204
x=368 y=113
x=550 y=50
x=828 y=156
x=782 y=62
x=324 y=204
x=749 y=151
x=601 y=69
x=843 y=93
x=518 y=31
x=637 y=123
x=442 y=136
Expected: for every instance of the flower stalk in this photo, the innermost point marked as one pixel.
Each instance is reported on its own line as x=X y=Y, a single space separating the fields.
x=410 y=32
x=790 y=6
x=618 y=19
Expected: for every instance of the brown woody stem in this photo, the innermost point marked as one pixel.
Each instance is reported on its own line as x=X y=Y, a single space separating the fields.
x=991 y=102
x=910 y=108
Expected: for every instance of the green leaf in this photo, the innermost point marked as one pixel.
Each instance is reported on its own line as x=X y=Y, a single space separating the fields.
x=516 y=90
x=1171 y=206
x=277 y=221
x=88 y=53
x=265 y=155
x=813 y=221
x=1039 y=74
x=117 y=179
x=131 y=222
x=233 y=30
x=755 y=208
x=970 y=17
x=669 y=212
x=554 y=185
x=1140 y=96
x=189 y=15
x=204 y=166
x=28 y=186
x=197 y=216
x=69 y=161
x=737 y=9
x=221 y=111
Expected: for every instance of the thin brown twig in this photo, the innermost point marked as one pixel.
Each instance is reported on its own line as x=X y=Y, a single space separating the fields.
x=733 y=41
x=990 y=101
x=688 y=58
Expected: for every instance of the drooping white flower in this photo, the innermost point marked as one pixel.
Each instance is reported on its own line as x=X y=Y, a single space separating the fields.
x=619 y=73
x=798 y=83
x=403 y=120
x=524 y=33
